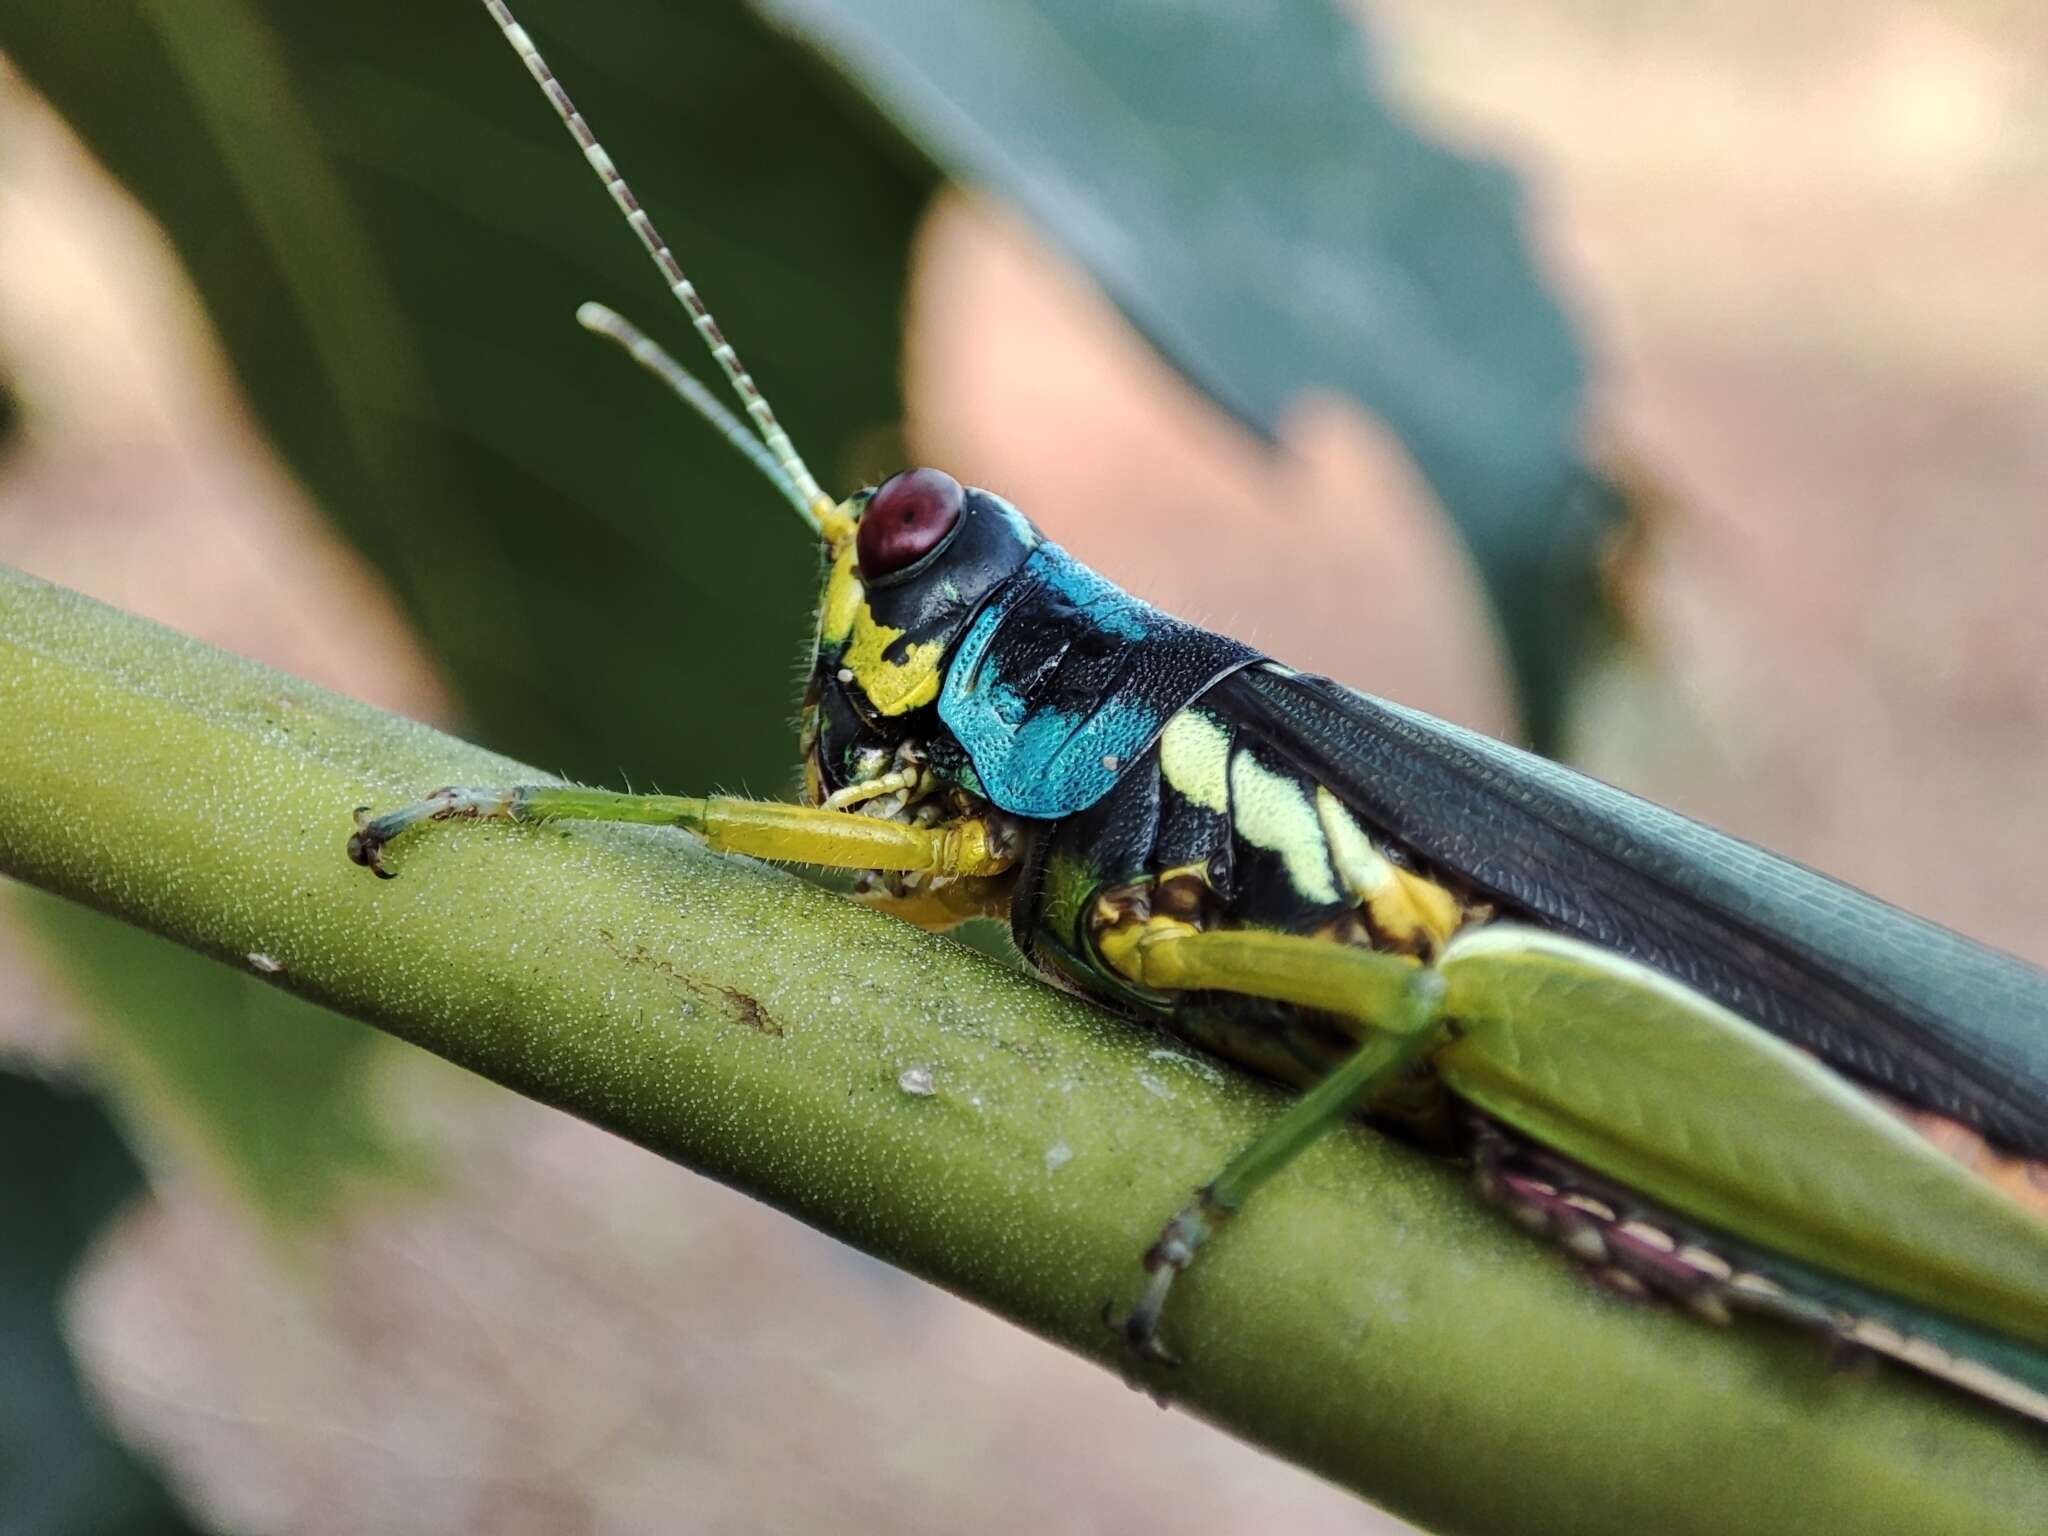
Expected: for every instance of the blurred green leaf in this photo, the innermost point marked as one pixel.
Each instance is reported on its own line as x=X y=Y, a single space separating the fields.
x=1234 y=178
x=268 y=1087
x=390 y=233
x=63 y=1172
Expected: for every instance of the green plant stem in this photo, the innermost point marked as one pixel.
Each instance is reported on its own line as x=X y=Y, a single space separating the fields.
x=1364 y=1317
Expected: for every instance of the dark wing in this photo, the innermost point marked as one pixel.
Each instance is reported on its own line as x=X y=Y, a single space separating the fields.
x=1885 y=997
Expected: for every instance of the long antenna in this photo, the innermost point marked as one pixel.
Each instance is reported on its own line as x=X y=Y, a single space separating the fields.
x=649 y=354
x=819 y=508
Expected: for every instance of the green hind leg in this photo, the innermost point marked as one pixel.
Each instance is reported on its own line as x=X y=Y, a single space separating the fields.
x=1401 y=1007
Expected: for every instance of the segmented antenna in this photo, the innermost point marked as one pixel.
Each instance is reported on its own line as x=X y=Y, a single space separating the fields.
x=600 y=320
x=815 y=505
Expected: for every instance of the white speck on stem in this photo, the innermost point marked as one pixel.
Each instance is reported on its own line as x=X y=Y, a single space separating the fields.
x=1208 y=1071
x=1057 y=1156
x=917 y=1082
x=269 y=965
x=1153 y=1086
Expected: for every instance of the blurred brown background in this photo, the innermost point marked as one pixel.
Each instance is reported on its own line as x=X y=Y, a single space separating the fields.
x=1807 y=245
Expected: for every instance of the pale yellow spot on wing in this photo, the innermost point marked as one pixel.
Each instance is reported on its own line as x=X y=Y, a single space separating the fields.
x=1194 y=754
x=1362 y=867
x=1404 y=906
x=1270 y=811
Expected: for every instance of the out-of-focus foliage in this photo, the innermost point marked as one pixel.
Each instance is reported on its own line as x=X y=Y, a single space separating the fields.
x=66 y=1172
x=1234 y=179
x=391 y=233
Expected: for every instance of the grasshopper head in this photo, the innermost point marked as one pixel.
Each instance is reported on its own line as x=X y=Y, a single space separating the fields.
x=910 y=561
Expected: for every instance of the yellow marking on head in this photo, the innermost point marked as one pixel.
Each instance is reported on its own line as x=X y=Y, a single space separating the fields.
x=845 y=620
x=836 y=524
x=843 y=599
x=893 y=687
x=1270 y=811
x=1194 y=754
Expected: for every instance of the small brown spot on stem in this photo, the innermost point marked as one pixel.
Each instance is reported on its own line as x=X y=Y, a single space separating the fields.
x=751 y=1013
x=745 y=1008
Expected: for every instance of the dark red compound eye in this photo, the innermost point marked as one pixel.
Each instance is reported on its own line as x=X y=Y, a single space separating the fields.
x=906 y=519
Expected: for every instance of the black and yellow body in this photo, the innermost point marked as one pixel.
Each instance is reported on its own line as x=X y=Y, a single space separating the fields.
x=1152 y=774
x=1473 y=946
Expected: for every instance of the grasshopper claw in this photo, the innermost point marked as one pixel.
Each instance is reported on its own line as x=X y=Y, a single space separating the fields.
x=366 y=845
x=1164 y=1261
x=1139 y=1329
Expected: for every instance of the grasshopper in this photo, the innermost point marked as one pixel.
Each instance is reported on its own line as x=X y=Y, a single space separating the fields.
x=1712 y=1076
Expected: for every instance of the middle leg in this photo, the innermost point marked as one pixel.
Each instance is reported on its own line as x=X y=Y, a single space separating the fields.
x=1400 y=1005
